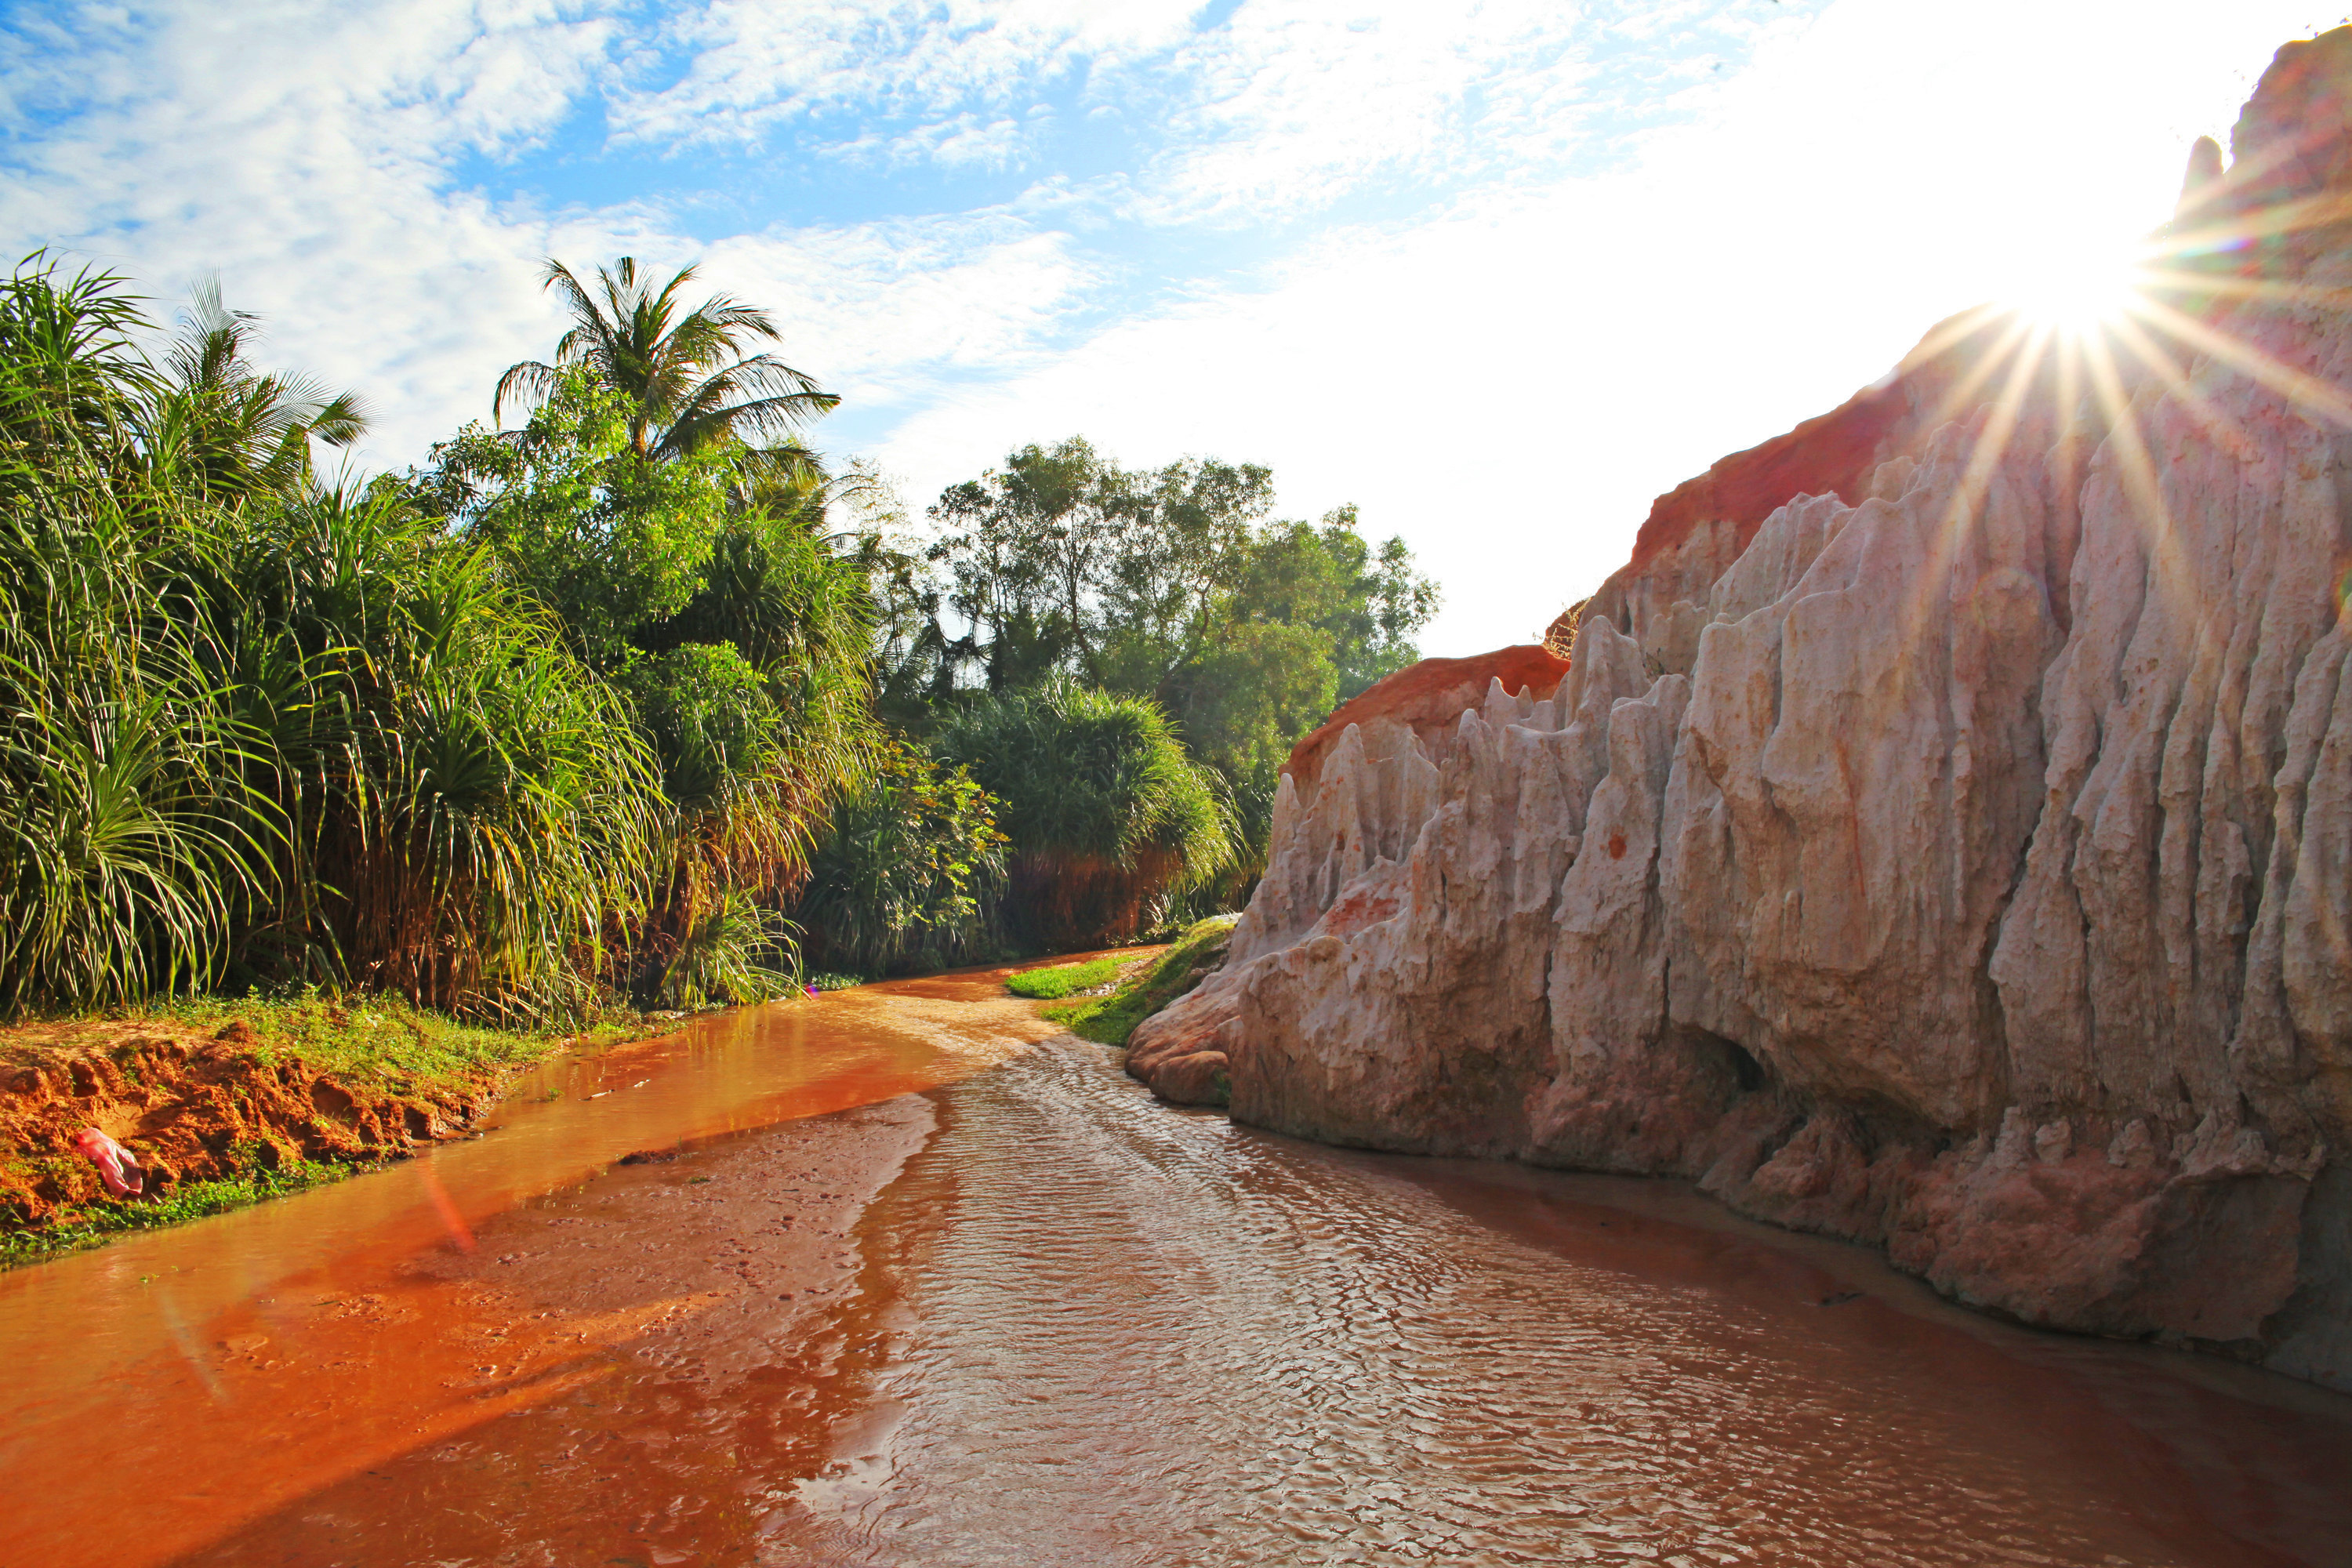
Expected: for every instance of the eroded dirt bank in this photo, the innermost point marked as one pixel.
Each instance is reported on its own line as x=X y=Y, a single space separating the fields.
x=194 y=1103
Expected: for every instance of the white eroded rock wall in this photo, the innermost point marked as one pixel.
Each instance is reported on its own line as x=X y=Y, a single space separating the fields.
x=1966 y=872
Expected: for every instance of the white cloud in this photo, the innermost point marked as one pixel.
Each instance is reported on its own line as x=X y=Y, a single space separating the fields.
x=1511 y=384
x=754 y=64
x=1299 y=102
x=305 y=157
x=1614 y=295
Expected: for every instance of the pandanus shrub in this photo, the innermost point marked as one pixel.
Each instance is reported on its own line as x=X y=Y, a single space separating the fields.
x=735 y=950
x=500 y=813
x=1108 y=817
x=472 y=817
x=130 y=841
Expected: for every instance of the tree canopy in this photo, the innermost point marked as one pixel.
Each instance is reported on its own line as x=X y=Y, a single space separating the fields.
x=679 y=376
x=1174 y=586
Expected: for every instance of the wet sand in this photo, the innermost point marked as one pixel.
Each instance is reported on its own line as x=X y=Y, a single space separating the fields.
x=1026 y=1315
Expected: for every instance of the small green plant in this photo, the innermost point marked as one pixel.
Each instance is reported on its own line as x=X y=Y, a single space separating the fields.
x=1108 y=1020
x=1052 y=985
x=100 y=1222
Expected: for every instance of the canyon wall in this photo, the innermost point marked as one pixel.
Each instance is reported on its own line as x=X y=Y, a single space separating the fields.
x=1941 y=837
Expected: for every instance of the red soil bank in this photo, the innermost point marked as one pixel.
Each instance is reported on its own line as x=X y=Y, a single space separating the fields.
x=191 y=1107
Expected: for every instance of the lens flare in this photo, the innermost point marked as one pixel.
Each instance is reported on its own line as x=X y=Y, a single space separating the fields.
x=2076 y=289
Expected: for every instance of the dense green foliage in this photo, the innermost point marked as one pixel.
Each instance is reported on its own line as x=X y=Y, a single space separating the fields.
x=1169 y=586
x=1107 y=812
x=467 y=810
x=609 y=703
x=913 y=872
x=1056 y=981
x=257 y=726
x=550 y=717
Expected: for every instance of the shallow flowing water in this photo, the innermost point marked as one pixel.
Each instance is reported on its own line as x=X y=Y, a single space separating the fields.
x=1077 y=1327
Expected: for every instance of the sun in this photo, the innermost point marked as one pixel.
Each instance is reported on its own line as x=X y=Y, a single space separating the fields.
x=2076 y=289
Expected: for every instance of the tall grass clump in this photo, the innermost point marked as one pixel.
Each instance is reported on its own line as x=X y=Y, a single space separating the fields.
x=1107 y=815
x=130 y=841
x=474 y=819
x=130 y=838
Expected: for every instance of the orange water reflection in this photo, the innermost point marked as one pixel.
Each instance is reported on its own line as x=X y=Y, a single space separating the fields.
x=164 y=1389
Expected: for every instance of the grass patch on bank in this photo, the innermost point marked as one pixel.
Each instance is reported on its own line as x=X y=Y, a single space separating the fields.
x=386 y=1040
x=1108 y=1020
x=96 y=1224
x=1053 y=983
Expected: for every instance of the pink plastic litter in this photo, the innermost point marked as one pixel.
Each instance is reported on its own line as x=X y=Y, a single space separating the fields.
x=117 y=1166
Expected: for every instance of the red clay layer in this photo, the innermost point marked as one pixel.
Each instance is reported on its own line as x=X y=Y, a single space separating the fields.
x=1832 y=452
x=1430 y=697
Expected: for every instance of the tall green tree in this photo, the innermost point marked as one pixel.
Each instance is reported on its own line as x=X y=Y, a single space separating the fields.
x=615 y=545
x=1025 y=549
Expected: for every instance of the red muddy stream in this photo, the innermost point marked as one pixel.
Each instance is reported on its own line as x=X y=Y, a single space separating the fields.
x=907 y=1291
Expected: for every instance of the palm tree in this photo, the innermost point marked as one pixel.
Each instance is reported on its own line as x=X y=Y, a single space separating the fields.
x=684 y=377
x=232 y=429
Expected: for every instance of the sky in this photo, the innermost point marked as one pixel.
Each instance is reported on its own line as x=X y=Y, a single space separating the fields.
x=1498 y=273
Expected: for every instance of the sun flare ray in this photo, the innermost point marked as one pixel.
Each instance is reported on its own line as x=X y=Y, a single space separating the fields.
x=2298 y=387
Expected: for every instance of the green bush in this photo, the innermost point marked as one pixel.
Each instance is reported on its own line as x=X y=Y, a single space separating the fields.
x=914 y=866
x=1106 y=813
x=736 y=952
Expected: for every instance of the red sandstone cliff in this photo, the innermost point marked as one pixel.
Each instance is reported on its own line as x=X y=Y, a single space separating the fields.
x=1943 y=838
